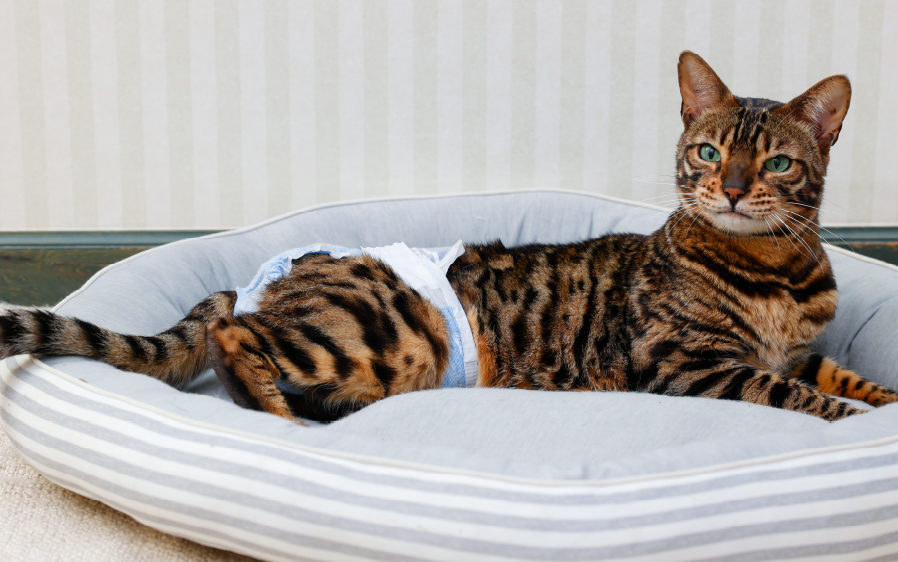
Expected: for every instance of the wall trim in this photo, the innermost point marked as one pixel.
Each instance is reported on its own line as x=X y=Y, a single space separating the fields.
x=861 y=234
x=96 y=239
x=150 y=238
x=40 y=268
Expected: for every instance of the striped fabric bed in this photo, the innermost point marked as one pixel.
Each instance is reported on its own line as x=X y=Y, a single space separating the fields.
x=280 y=501
x=512 y=475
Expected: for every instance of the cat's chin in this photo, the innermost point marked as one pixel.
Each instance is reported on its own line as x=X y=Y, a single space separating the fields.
x=737 y=223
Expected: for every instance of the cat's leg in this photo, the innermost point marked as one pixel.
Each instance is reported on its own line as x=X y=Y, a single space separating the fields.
x=248 y=374
x=326 y=351
x=827 y=376
x=250 y=355
x=349 y=331
x=729 y=379
x=344 y=331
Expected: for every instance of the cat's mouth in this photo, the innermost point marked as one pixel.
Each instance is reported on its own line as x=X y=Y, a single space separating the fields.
x=736 y=215
x=737 y=222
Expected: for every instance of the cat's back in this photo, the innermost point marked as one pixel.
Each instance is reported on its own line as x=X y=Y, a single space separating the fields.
x=545 y=314
x=510 y=274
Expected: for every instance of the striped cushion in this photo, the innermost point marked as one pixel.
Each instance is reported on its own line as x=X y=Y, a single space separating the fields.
x=454 y=474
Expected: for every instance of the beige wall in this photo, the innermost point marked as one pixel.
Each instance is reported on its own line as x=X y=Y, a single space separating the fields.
x=207 y=114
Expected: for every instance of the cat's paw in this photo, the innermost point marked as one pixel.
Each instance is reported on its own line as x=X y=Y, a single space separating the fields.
x=849 y=411
x=881 y=397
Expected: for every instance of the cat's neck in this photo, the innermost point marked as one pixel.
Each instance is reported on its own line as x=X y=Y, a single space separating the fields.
x=781 y=249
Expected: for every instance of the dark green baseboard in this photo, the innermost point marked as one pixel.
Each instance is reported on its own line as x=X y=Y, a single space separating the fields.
x=41 y=268
x=880 y=242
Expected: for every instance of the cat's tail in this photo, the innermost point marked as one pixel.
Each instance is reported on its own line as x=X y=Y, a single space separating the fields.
x=175 y=356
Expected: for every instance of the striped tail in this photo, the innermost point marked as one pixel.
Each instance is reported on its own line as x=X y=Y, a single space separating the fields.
x=175 y=356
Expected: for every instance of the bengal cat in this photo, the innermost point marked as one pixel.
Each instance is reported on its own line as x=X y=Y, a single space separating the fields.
x=722 y=301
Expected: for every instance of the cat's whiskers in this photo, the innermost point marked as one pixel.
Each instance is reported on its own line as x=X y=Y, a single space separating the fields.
x=655 y=182
x=685 y=205
x=686 y=212
x=785 y=220
x=819 y=209
x=816 y=208
x=672 y=205
x=803 y=227
x=692 y=223
x=672 y=197
x=660 y=201
x=679 y=199
x=772 y=234
x=779 y=225
x=663 y=198
x=672 y=200
x=656 y=176
x=818 y=225
x=669 y=198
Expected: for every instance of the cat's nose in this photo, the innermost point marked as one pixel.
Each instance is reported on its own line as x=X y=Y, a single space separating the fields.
x=734 y=194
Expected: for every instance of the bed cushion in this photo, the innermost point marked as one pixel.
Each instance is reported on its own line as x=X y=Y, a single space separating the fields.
x=452 y=472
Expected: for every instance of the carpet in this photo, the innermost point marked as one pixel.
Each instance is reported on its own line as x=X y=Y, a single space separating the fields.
x=42 y=521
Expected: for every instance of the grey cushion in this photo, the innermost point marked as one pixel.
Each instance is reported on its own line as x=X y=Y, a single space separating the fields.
x=577 y=437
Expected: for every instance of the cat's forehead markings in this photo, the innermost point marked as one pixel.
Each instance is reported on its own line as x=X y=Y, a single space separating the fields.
x=725 y=136
x=758 y=104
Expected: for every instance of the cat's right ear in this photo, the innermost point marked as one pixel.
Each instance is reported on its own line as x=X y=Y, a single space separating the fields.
x=700 y=87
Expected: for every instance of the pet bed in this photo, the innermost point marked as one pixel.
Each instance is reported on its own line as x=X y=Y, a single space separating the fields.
x=460 y=473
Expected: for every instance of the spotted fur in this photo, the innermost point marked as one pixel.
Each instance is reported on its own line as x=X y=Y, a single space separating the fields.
x=346 y=331
x=722 y=301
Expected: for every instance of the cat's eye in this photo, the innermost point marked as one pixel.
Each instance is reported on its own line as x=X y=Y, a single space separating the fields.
x=709 y=153
x=778 y=163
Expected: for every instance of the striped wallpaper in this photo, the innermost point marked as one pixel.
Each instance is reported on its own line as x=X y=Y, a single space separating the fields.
x=157 y=114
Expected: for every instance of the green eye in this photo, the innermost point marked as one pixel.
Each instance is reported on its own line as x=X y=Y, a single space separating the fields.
x=709 y=153
x=778 y=163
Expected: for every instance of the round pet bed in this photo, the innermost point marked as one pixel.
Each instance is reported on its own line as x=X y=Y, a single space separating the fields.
x=460 y=473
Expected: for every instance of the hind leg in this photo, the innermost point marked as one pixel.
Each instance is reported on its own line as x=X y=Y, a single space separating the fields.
x=251 y=353
x=247 y=373
x=346 y=332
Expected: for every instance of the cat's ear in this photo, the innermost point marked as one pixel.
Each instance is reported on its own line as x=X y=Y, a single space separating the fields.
x=700 y=87
x=824 y=107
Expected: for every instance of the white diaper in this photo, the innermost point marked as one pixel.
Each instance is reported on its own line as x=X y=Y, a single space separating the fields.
x=423 y=269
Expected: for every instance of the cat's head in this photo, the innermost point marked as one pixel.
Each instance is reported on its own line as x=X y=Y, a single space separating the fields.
x=751 y=166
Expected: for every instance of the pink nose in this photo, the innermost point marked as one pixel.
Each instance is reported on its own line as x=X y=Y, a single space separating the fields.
x=734 y=193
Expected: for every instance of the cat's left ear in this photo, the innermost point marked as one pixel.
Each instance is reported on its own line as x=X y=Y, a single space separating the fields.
x=824 y=107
